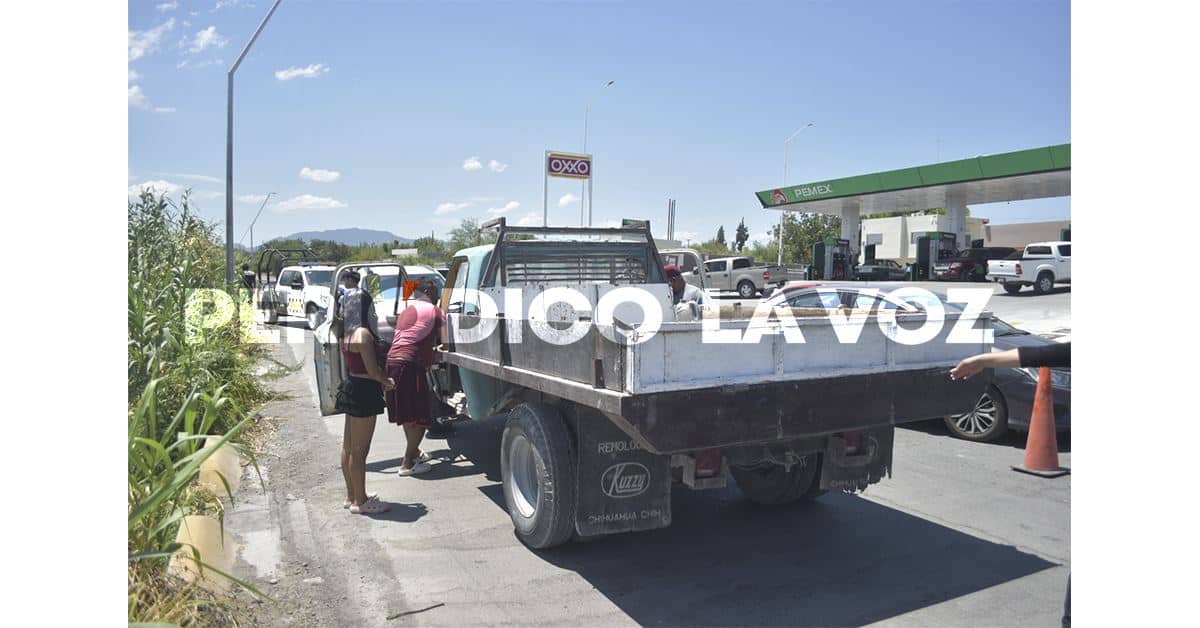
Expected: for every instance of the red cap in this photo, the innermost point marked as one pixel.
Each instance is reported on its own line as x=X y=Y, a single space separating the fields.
x=671 y=269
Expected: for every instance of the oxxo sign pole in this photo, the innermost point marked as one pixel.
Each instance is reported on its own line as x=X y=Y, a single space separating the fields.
x=567 y=166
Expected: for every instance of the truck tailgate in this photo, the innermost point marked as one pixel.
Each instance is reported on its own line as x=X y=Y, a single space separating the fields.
x=1003 y=268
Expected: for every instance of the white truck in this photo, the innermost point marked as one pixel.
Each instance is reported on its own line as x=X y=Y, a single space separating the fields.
x=1041 y=265
x=727 y=274
x=603 y=415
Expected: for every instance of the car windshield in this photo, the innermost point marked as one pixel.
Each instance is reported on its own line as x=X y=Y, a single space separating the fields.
x=319 y=277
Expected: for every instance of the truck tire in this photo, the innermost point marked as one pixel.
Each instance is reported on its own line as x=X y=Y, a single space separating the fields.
x=537 y=471
x=773 y=484
x=1012 y=288
x=1044 y=283
x=746 y=289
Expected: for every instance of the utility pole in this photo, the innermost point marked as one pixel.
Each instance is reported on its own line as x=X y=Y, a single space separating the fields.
x=229 y=148
x=785 y=166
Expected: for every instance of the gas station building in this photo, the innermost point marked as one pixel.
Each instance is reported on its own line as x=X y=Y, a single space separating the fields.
x=1020 y=175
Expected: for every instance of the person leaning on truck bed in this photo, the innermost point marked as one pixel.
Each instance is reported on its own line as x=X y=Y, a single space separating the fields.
x=681 y=290
x=418 y=330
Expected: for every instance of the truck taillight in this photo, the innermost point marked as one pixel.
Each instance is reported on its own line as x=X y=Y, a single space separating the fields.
x=1018 y=268
x=766 y=275
x=708 y=462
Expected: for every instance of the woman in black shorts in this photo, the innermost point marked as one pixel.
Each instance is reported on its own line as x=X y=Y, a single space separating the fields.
x=361 y=398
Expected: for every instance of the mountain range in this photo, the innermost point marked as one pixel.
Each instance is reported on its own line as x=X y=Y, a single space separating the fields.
x=350 y=237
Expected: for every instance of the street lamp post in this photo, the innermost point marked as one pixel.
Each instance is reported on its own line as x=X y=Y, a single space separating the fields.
x=587 y=109
x=785 y=166
x=229 y=148
x=260 y=211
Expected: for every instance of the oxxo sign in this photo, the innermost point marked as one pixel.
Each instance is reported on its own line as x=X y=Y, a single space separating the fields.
x=569 y=165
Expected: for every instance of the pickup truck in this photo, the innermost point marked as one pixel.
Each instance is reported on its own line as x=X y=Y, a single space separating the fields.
x=1041 y=265
x=734 y=274
x=298 y=289
x=605 y=410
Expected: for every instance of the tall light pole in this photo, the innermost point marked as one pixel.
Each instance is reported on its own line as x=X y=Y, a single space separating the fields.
x=250 y=230
x=229 y=148
x=785 y=165
x=587 y=109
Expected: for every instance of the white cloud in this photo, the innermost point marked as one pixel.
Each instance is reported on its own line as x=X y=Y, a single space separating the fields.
x=450 y=207
x=496 y=166
x=167 y=6
x=133 y=76
x=509 y=206
x=187 y=63
x=191 y=177
x=251 y=198
x=221 y=4
x=532 y=219
x=164 y=110
x=307 y=201
x=205 y=39
x=567 y=199
x=684 y=236
x=471 y=164
x=318 y=175
x=311 y=71
x=157 y=186
x=137 y=98
x=142 y=43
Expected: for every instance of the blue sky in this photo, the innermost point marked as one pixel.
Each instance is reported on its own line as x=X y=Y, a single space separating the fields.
x=397 y=97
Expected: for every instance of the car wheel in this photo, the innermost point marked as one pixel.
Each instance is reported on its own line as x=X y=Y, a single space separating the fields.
x=1045 y=283
x=1012 y=288
x=986 y=422
x=746 y=289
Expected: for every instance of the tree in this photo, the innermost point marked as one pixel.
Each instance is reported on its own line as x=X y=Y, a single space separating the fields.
x=430 y=247
x=800 y=233
x=740 y=237
x=467 y=235
x=713 y=248
x=721 y=235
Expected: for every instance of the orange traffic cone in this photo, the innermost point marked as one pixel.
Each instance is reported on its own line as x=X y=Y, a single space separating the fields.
x=1041 y=446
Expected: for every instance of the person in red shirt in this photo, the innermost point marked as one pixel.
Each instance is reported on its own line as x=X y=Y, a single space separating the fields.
x=418 y=330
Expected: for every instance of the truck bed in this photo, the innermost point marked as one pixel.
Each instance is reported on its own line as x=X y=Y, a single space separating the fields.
x=676 y=393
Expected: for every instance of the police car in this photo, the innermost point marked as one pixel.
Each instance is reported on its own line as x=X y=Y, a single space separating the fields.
x=301 y=290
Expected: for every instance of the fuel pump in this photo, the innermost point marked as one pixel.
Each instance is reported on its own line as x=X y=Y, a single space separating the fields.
x=831 y=259
x=932 y=247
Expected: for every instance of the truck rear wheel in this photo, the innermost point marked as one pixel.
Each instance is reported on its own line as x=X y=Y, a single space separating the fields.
x=1012 y=288
x=1044 y=283
x=746 y=289
x=537 y=471
x=774 y=484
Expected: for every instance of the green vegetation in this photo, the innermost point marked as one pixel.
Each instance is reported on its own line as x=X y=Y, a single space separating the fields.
x=184 y=385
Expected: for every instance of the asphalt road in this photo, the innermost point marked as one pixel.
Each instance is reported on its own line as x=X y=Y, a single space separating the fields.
x=954 y=538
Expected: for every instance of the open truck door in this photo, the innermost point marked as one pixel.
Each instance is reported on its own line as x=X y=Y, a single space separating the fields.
x=389 y=287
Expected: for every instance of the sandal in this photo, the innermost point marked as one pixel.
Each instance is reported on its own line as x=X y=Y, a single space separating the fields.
x=424 y=457
x=370 y=507
x=417 y=469
x=348 y=503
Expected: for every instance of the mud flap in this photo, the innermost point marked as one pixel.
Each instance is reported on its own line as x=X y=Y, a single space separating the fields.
x=852 y=473
x=621 y=487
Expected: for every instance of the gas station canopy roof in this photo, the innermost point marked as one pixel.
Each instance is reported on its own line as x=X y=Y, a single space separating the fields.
x=1021 y=175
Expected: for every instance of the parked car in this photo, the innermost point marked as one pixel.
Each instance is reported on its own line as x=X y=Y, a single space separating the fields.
x=301 y=290
x=1041 y=265
x=970 y=264
x=881 y=270
x=1006 y=404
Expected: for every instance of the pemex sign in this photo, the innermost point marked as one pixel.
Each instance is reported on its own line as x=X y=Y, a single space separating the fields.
x=568 y=165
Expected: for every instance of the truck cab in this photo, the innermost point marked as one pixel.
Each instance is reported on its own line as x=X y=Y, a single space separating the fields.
x=1041 y=265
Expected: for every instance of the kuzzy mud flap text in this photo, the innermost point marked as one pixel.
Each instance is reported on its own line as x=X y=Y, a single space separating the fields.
x=622 y=487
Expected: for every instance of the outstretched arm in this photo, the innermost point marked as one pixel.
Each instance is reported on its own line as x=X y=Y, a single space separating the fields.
x=976 y=363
